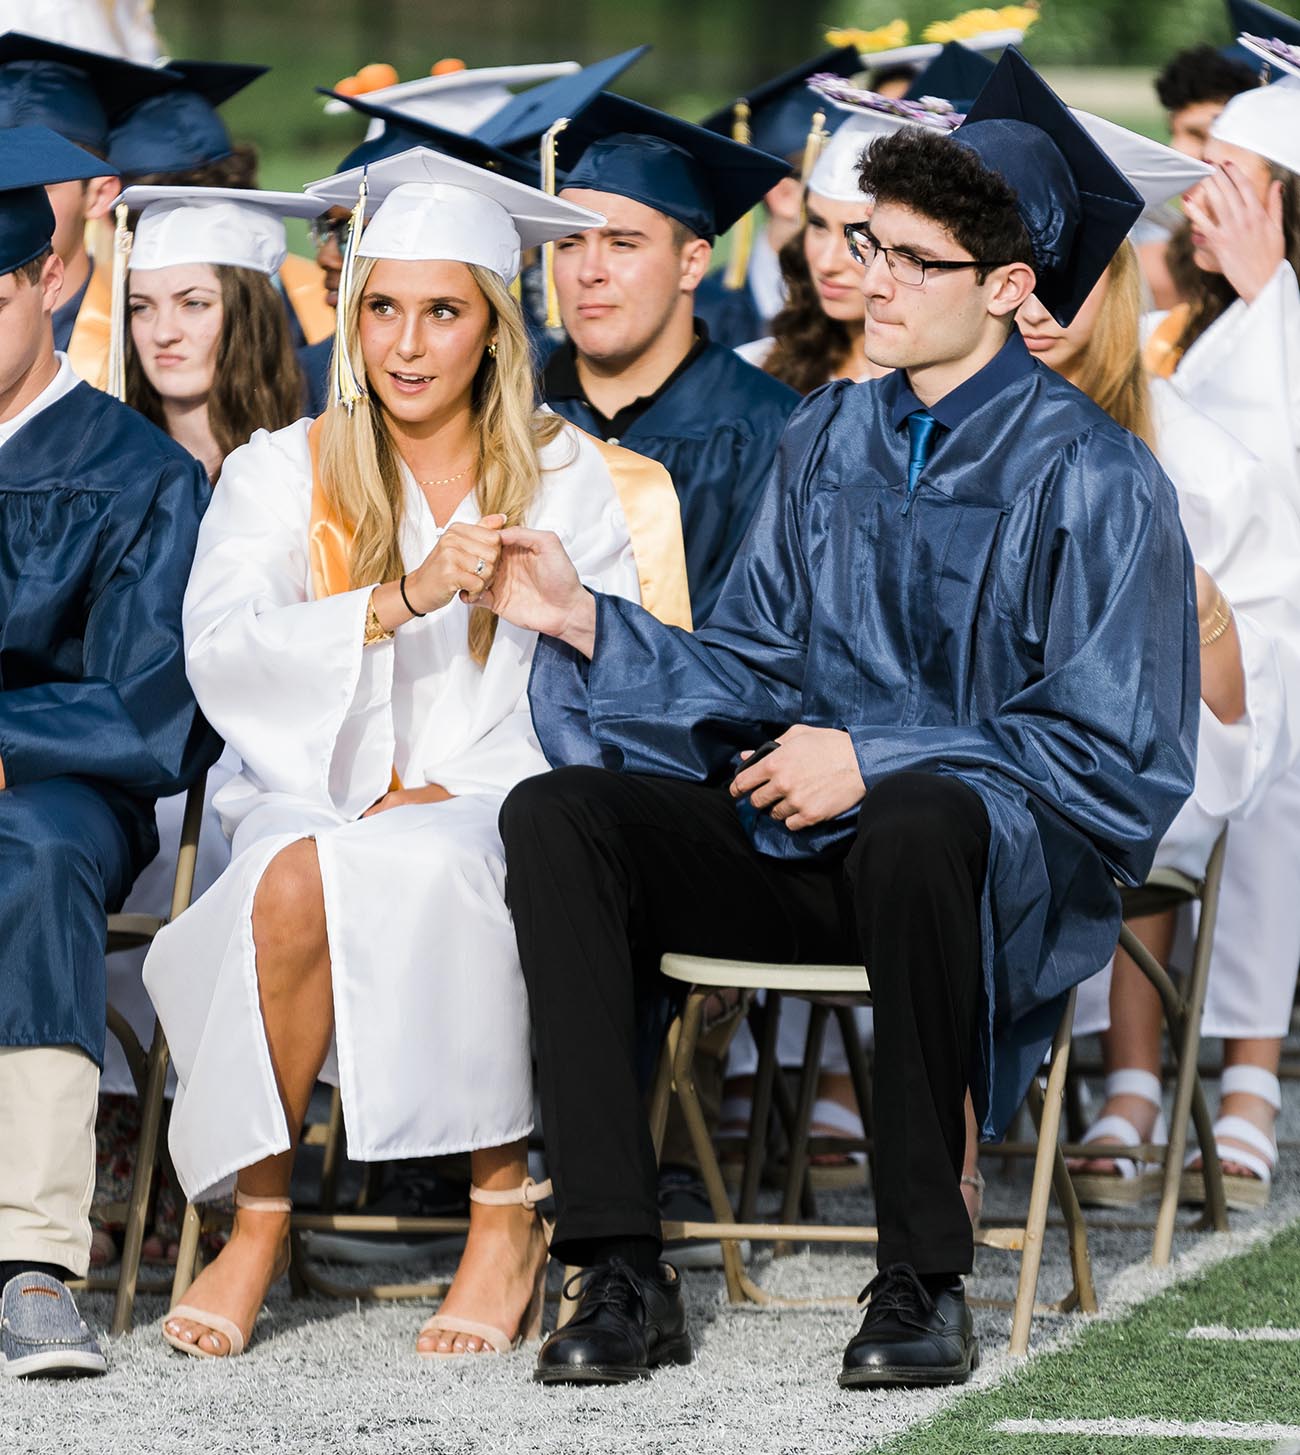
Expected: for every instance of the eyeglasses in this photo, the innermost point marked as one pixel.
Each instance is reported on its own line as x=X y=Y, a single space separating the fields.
x=326 y=230
x=905 y=267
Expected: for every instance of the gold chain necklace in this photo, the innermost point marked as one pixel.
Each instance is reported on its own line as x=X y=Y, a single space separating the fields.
x=446 y=479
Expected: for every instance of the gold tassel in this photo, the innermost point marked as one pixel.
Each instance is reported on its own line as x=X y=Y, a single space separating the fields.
x=122 y=240
x=811 y=151
x=346 y=388
x=548 y=249
x=742 y=237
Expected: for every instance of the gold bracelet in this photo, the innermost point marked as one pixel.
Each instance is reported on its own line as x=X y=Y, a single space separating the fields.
x=375 y=630
x=1222 y=620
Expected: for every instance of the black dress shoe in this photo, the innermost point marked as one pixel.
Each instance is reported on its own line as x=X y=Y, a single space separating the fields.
x=625 y=1325
x=910 y=1336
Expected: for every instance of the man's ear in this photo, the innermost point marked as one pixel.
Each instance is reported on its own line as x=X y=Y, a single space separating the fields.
x=1013 y=285
x=696 y=256
x=100 y=192
x=51 y=284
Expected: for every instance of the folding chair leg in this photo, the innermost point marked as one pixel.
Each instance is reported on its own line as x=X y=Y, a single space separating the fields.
x=187 y=1257
x=1044 y=1162
x=760 y=1114
x=693 y=1115
x=329 y=1175
x=797 y=1154
x=146 y=1158
x=661 y=1095
x=860 y=1071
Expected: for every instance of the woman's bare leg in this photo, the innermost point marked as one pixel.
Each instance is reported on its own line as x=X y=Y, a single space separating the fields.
x=293 y=973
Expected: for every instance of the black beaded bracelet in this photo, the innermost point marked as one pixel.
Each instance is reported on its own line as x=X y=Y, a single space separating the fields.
x=406 y=600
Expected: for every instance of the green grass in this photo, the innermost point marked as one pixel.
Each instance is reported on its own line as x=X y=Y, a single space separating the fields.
x=1142 y=1366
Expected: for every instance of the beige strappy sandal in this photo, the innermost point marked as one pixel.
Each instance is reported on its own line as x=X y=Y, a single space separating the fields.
x=527 y=1195
x=218 y=1323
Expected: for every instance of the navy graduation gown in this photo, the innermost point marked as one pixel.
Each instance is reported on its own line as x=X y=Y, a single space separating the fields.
x=715 y=429
x=314 y=360
x=732 y=314
x=1024 y=621
x=99 y=512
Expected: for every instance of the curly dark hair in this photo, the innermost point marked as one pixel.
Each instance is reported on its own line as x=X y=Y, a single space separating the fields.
x=923 y=171
x=239 y=169
x=808 y=344
x=1201 y=73
x=257 y=383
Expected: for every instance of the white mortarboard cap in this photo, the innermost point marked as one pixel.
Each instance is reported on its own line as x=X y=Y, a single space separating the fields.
x=835 y=177
x=434 y=208
x=1158 y=172
x=1265 y=121
x=457 y=100
x=217 y=225
x=1279 y=55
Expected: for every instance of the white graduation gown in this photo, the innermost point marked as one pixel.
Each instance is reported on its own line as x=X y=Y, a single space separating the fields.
x=1242 y=529
x=431 y=1044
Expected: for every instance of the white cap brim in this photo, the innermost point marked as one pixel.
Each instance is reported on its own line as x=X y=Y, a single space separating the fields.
x=1159 y=173
x=220 y=226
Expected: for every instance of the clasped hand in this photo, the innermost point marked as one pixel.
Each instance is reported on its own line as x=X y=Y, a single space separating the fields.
x=811 y=778
x=452 y=568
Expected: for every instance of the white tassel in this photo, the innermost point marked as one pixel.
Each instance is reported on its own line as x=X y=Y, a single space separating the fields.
x=122 y=240
x=346 y=386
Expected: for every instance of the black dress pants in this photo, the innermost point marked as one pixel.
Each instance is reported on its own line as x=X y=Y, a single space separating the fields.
x=606 y=872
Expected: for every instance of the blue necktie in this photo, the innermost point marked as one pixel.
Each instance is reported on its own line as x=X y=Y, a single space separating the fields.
x=920 y=433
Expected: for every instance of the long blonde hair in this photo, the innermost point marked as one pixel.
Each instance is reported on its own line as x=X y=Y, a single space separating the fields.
x=1110 y=372
x=361 y=469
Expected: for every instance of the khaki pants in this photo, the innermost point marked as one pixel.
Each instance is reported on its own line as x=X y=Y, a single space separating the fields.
x=48 y=1099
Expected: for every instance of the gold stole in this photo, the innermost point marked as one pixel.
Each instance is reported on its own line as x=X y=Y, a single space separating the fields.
x=88 y=346
x=329 y=541
x=1162 y=355
x=304 y=286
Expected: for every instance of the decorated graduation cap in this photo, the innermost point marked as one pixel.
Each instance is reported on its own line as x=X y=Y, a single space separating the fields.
x=1266 y=121
x=957 y=74
x=31 y=159
x=981 y=29
x=777 y=116
x=1076 y=204
x=180 y=129
x=399 y=133
x=525 y=118
x=74 y=92
x=702 y=180
x=864 y=117
x=1251 y=20
x=452 y=96
x=434 y=208
x=1157 y=172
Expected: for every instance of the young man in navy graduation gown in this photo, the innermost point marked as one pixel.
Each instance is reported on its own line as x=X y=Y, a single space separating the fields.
x=965 y=610
x=99 y=513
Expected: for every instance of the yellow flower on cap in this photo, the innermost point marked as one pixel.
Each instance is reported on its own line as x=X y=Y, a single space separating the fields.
x=982 y=21
x=867 y=42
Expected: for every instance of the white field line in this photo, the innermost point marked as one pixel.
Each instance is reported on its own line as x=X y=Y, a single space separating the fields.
x=1217 y=1334
x=1152 y=1429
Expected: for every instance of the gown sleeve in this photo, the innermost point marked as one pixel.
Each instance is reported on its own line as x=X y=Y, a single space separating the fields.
x=284 y=678
x=1103 y=733
x=130 y=719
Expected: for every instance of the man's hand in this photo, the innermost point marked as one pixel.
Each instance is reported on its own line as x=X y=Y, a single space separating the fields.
x=536 y=587
x=448 y=569
x=431 y=793
x=1244 y=234
x=812 y=777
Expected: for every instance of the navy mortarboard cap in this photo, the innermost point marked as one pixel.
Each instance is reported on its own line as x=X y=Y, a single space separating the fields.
x=1254 y=18
x=957 y=74
x=525 y=118
x=1077 y=206
x=74 y=92
x=781 y=110
x=700 y=179
x=402 y=132
x=31 y=159
x=180 y=128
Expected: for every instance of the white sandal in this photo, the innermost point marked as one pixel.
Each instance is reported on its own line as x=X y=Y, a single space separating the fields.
x=527 y=1195
x=218 y=1323
x=1131 y=1182
x=1242 y=1193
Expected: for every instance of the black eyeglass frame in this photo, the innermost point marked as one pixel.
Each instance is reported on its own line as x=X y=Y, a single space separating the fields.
x=855 y=230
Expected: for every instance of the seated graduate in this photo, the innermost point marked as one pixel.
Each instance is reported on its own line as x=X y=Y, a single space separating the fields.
x=379 y=724
x=1233 y=351
x=99 y=513
x=77 y=93
x=961 y=579
x=639 y=370
x=738 y=302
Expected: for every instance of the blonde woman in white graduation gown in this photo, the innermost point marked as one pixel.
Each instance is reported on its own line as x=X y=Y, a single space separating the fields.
x=361 y=929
